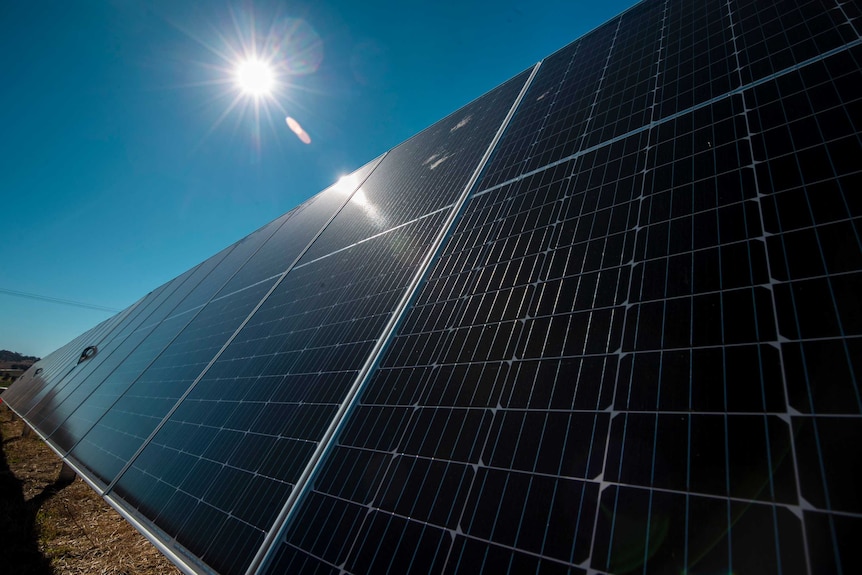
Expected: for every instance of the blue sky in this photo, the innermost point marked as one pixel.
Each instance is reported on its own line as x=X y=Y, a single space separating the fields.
x=122 y=163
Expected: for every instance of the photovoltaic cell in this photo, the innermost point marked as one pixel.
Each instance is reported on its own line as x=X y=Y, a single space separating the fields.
x=629 y=79
x=124 y=366
x=120 y=416
x=549 y=124
x=459 y=395
x=64 y=363
x=303 y=225
x=635 y=350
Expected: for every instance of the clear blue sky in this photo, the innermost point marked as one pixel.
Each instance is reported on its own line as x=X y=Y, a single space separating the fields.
x=116 y=174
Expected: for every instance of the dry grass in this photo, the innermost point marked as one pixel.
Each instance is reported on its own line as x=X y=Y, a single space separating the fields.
x=46 y=527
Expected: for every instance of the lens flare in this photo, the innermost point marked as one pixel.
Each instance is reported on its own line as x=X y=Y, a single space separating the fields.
x=297 y=129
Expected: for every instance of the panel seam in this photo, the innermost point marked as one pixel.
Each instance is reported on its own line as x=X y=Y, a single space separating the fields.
x=236 y=332
x=773 y=307
x=675 y=115
x=97 y=486
x=264 y=554
x=150 y=329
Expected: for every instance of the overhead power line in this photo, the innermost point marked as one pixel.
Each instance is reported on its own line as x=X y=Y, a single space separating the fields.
x=57 y=300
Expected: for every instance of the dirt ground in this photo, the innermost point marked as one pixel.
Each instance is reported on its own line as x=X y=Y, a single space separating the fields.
x=47 y=527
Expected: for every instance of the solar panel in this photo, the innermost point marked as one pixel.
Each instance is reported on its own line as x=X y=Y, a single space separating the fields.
x=125 y=417
x=33 y=384
x=603 y=319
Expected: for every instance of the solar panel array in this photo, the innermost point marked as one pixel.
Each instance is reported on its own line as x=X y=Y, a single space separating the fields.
x=603 y=319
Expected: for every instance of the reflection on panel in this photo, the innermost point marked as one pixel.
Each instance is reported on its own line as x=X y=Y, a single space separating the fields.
x=425 y=174
x=303 y=224
x=110 y=354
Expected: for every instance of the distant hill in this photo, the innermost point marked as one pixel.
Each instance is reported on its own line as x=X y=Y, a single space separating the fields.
x=12 y=365
x=6 y=355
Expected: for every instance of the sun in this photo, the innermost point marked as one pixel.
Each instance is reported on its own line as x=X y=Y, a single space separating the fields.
x=255 y=64
x=255 y=77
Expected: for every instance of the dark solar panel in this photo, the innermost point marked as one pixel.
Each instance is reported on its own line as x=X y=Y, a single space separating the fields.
x=604 y=319
x=45 y=373
x=97 y=387
x=292 y=363
x=128 y=406
x=595 y=375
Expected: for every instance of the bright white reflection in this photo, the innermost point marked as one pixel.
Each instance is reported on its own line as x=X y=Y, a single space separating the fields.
x=346 y=185
x=435 y=160
x=362 y=201
x=255 y=77
x=461 y=124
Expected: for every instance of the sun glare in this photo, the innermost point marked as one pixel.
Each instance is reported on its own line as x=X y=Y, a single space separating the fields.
x=256 y=66
x=255 y=77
